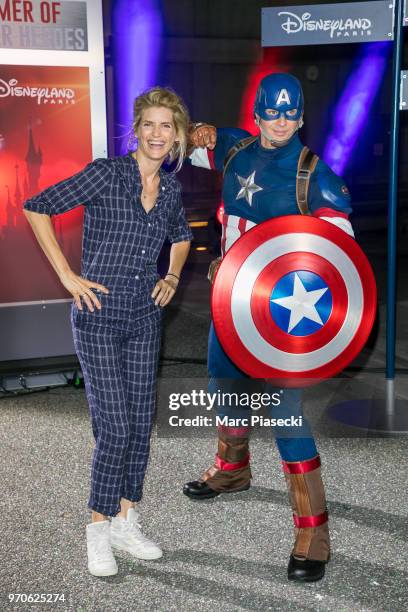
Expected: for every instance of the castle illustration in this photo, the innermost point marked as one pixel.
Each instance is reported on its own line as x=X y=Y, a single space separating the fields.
x=26 y=275
x=26 y=185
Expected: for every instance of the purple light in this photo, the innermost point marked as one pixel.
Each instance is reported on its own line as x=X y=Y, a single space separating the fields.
x=136 y=30
x=355 y=103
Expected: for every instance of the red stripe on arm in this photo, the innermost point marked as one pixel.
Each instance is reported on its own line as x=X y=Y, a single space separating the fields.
x=224 y=233
x=329 y=212
x=242 y=225
x=210 y=154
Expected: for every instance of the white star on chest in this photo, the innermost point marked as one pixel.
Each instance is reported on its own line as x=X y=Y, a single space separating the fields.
x=301 y=304
x=248 y=187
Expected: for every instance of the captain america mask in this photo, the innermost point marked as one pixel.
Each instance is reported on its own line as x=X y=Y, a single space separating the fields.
x=278 y=109
x=279 y=95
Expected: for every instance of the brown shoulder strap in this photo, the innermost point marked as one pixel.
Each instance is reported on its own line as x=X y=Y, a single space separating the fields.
x=241 y=144
x=306 y=166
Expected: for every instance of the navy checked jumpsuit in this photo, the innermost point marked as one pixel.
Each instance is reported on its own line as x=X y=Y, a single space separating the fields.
x=118 y=346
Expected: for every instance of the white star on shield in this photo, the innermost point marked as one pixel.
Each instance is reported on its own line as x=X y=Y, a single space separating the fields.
x=248 y=188
x=301 y=303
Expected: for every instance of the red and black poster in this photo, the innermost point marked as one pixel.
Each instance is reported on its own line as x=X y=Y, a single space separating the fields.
x=45 y=136
x=52 y=123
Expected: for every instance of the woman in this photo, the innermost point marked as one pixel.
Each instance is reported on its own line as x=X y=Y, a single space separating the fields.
x=131 y=206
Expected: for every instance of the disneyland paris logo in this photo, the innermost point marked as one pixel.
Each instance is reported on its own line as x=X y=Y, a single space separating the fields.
x=337 y=27
x=43 y=95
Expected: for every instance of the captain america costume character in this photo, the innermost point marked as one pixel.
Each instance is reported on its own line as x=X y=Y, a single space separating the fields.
x=260 y=183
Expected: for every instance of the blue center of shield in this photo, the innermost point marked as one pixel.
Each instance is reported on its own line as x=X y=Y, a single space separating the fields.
x=301 y=303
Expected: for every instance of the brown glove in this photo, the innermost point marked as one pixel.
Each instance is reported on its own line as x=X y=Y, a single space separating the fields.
x=213 y=269
x=202 y=135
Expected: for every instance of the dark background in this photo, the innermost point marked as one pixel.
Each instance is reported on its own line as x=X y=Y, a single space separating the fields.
x=209 y=49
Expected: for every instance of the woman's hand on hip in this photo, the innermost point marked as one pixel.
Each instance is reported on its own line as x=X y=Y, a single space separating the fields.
x=82 y=288
x=164 y=291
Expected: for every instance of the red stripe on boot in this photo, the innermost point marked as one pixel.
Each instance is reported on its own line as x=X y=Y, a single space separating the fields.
x=228 y=467
x=301 y=467
x=239 y=432
x=302 y=522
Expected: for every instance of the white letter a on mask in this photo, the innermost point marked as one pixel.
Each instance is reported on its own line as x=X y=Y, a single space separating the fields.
x=283 y=97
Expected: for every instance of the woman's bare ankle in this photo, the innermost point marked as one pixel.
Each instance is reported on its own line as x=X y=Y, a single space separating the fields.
x=97 y=517
x=125 y=504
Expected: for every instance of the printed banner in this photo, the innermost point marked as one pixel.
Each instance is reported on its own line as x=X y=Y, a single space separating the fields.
x=319 y=24
x=59 y=26
x=45 y=136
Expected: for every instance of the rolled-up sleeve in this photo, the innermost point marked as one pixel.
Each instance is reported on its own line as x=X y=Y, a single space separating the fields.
x=179 y=230
x=81 y=188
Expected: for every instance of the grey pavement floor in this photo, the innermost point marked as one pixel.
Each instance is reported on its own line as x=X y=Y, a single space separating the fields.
x=229 y=553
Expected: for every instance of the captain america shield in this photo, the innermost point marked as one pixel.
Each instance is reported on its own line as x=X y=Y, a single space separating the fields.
x=294 y=299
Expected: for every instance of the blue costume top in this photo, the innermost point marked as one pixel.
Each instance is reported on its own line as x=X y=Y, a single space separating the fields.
x=260 y=183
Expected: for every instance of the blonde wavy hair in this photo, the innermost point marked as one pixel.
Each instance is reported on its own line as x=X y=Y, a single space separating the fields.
x=164 y=96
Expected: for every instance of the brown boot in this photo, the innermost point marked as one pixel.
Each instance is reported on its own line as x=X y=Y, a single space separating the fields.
x=311 y=550
x=230 y=472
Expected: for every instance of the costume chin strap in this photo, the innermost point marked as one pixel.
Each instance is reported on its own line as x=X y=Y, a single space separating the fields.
x=281 y=143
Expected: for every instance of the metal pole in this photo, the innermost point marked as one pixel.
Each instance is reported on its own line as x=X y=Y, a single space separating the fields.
x=393 y=193
x=370 y=415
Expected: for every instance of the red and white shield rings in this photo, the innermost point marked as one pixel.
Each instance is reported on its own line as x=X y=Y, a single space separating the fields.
x=294 y=300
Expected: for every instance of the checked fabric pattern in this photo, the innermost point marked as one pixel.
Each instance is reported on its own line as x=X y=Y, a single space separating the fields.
x=118 y=346
x=121 y=242
x=119 y=371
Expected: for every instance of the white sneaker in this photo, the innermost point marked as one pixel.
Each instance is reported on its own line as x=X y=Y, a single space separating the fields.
x=101 y=561
x=126 y=535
